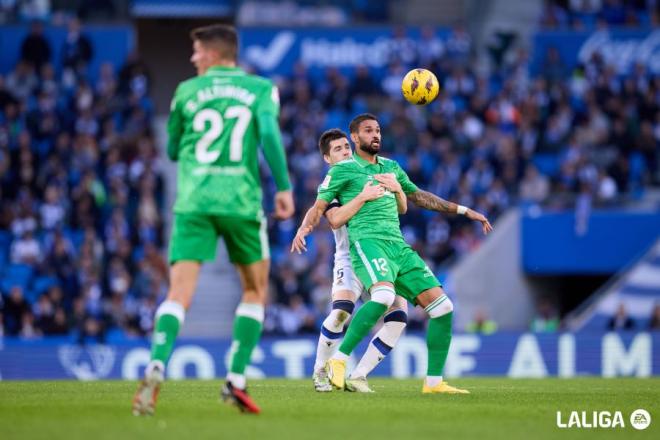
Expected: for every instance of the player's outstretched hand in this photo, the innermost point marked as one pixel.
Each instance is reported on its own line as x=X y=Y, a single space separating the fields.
x=479 y=217
x=299 y=244
x=388 y=180
x=284 y=207
x=372 y=192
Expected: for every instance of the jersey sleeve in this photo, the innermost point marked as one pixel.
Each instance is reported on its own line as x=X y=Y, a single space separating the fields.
x=267 y=111
x=406 y=184
x=174 y=127
x=334 y=181
x=268 y=101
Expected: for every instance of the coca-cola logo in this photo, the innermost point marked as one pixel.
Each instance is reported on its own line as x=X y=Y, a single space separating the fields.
x=623 y=53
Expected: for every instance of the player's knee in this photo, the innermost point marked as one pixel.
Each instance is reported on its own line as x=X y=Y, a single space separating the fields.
x=440 y=307
x=398 y=316
x=180 y=297
x=383 y=294
x=342 y=309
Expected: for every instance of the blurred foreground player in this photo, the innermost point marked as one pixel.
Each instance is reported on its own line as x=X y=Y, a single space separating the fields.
x=216 y=122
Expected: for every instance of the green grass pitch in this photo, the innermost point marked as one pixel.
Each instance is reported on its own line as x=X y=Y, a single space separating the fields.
x=497 y=408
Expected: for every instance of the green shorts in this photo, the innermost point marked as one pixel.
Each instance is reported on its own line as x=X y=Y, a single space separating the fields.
x=195 y=238
x=392 y=261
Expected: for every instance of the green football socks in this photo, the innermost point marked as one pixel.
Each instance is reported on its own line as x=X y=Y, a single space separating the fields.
x=169 y=318
x=363 y=321
x=248 y=324
x=438 y=339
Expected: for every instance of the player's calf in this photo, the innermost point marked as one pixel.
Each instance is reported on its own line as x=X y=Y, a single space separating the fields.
x=438 y=339
x=332 y=331
x=382 y=343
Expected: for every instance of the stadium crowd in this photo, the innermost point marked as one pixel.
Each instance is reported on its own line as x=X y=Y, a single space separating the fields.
x=81 y=211
x=82 y=198
x=584 y=14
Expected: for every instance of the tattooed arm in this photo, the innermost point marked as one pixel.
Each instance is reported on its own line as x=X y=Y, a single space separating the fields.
x=427 y=200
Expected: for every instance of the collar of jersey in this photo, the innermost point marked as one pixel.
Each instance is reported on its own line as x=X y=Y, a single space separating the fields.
x=224 y=70
x=363 y=163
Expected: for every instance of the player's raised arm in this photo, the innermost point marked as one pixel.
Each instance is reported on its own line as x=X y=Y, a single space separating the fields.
x=339 y=215
x=271 y=141
x=311 y=219
x=328 y=190
x=174 y=128
x=427 y=200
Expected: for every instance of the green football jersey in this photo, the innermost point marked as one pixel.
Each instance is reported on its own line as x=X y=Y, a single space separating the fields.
x=377 y=218
x=214 y=134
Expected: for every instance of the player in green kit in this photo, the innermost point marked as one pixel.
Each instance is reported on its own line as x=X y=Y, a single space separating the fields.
x=217 y=121
x=381 y=258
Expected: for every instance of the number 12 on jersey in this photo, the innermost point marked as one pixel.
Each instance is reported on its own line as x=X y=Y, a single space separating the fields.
x=214 y=131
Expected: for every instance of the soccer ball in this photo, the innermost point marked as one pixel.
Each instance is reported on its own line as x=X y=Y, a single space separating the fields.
x=420 y=86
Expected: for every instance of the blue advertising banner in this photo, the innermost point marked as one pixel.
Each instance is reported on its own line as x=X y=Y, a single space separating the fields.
x=551 y=243
x=622 y=48
x=278 y=50
x=502 y=354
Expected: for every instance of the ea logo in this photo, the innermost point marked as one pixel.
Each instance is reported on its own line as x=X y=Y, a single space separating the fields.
x=640 y=419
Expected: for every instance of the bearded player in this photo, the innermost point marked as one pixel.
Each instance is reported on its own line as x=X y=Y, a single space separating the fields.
x=380 y=257
x=346 y=287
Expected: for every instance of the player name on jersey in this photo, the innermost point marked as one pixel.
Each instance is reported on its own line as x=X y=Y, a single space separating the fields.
x=218 y=92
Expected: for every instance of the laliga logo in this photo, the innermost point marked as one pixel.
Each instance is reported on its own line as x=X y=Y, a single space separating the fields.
x=87 y=363
x=639 y=419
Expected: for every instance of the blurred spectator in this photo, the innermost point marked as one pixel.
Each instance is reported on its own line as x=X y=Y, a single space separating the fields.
x=35 y=48
x=481 y=324
x=22 y=81
x=26 y=250
x=77 y=51
x=546 y=319
x=553 y=15
x=134 y=76
x=535 y=187
x=14 y=308
x=6 y=96
x=296 y=318
x=621 y=320
x=459 y=45
x=553 y=67
x=654 y=322
x=607 y=190
x=50 y=319
x=28 y=328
